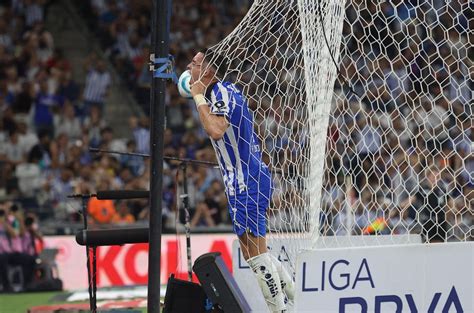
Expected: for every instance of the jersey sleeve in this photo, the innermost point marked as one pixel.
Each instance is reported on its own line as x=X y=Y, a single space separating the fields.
x=220 y=102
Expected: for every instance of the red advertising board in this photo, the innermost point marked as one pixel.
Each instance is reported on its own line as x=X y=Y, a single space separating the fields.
x=128 y=264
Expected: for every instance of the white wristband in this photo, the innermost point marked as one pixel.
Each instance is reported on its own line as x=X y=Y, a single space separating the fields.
x=200 y=100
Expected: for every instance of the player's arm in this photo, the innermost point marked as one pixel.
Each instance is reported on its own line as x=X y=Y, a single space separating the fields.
x=214 y=125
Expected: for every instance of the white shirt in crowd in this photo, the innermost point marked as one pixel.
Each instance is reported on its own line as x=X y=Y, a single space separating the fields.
x=96 y=86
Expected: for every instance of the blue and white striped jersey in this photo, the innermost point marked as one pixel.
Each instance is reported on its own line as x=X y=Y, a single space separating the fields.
x=96 y=86
x=238 y=151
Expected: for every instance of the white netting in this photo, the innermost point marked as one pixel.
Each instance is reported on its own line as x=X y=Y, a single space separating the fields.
x=383 y=147
x=406 y=142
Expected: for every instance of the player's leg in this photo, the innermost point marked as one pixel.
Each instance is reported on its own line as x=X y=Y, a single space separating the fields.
x=287 y=283
x=253 y=246
x=249 y=218
x=255 y=253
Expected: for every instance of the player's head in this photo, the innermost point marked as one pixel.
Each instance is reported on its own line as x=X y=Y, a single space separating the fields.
x=219 y=64
x=207 y=66
x=199 y=69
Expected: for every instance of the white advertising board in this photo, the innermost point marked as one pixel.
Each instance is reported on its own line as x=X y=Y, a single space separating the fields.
x=285 y=251
x=408 y=278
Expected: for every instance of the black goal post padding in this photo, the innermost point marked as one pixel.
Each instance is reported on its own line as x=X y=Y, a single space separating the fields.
x=112 y=237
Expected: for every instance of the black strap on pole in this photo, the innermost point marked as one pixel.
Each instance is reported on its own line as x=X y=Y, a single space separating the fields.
x=161 y=14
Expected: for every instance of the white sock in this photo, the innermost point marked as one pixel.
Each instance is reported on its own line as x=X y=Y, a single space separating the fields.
x=287 y=283
x=268 y=280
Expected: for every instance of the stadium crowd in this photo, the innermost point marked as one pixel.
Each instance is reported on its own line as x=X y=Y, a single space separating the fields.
x=405 y=127
x=393 y=143
x=49 y=121
x=406 y=133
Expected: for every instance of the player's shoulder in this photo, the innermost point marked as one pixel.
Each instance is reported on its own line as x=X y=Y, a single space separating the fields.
x=224 y=87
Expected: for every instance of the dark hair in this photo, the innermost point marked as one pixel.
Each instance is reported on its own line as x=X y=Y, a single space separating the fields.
x=106 y=129
x=219 y=63
x=43 y=133
x=14 y=208
x=2 y=212
x=29 y=220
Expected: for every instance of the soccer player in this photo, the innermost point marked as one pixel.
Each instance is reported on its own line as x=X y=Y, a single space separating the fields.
x=225 y=116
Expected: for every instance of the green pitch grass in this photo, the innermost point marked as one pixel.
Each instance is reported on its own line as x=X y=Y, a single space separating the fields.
x=21 y=302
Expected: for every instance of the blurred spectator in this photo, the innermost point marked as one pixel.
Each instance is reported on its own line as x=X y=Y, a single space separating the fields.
x=368 y=143
x=59 y=151
x=15 y=230
x=13 y=151
x=93 y=124
x=6 y=232
x=8 y=121
x=5 y=38
x=101 y=211
x=45 y=103
x=212 y=210
x=431 y=204
x=57 y=60
x=132 y=162
x=59 y=187
x=141 y=133
x=108 y=142
x=27 y=138
x=31 y=236
x=204 y=215
x=33 y=12
x=29 y=178
x=67 y=123
x=69 y=89
x=24 y=101
x=41 y=152
x=123 y=215
x=97 y=86
x=5 y=94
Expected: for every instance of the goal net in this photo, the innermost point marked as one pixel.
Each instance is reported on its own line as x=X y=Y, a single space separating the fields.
x=363 y=111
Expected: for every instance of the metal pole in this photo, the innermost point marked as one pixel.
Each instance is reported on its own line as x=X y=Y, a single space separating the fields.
x=187 y=219
x=160 y=49
x=94 y=277
x=92 y=299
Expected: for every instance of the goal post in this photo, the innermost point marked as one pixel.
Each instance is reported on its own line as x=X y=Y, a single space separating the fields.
x=287 y=71
x=321 y=30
